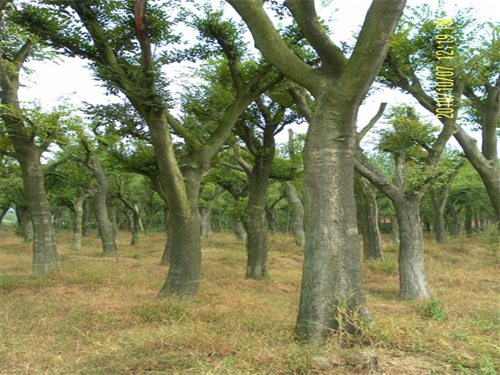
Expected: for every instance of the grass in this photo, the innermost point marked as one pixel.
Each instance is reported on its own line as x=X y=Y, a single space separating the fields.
x=100 y=316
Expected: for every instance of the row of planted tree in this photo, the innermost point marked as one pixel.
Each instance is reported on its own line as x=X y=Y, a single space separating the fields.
x=231 y=108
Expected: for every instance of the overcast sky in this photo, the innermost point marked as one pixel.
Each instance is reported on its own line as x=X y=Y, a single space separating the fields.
x=51 y=81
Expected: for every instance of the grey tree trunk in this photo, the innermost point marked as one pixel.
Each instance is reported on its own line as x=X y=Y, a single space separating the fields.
x=76 y=243
x=394 y=230
x=368 y=219
x=238 y=229
x=113 y=217
x=167 y=251
x=454 y=225
x=86 y=223
x=255 y=222
x=439 y=221
x=272 y=220
x=206 y=226
x=296 y=213
x=45 y=257
x=468 y=221
x=332 y=282
x=99 y=199
x=24 y=224
x=412 y=280
x=185 y=259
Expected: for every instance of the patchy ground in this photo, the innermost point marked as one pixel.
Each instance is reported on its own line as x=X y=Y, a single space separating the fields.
x=101 y=317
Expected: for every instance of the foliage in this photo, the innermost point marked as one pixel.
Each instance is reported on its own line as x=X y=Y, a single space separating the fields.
x=434 y=310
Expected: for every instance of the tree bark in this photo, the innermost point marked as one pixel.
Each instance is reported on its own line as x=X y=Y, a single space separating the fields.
x=99 y=199
x=76 y=243
x=167 y=250
x=368 y=219
x=206 y=225
x=439 y=222
x=272 y=219
x=255 y=223
x=185 y=259
x=332 y=265
x=296 y=213
x=394 y=230
x=454 y=225
x=24 y=224
x=468 y=221
x=413 y=284
x=238 y=228
x=86 y=223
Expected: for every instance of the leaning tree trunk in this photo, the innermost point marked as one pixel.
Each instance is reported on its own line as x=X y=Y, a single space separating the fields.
x=24 y=224
x=296 y=214
x=238 y=229
x=332 y=285
x=76 y=243
x=368 y=219
x=412 y=281
x=99 y=199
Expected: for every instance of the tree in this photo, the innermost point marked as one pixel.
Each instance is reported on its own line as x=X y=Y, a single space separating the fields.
x=416 y=153
x=440 y=190
x=269 y=118
x=332 y=270
x=119 y=38
x=25 y=134
x=475 y=66
x=68 y=183
x=92 y=150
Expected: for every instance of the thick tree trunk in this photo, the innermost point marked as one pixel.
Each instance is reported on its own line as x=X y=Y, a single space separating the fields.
x=296 y=213
x=368 y=219
x=185 y=259
x=24 y=225
x=332 y=285
x=76 y=243
x=413 y=284
x=45 y=257
x=255 y=222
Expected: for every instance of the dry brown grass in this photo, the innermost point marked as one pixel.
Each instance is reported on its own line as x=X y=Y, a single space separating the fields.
x=101 y=316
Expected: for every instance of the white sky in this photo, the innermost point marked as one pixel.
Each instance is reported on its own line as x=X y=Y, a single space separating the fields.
x=70 y=78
